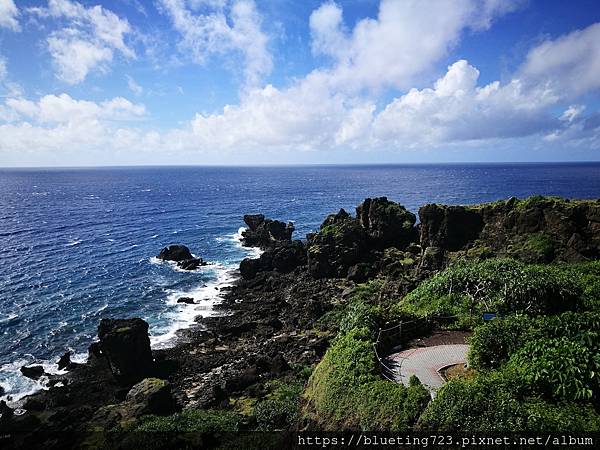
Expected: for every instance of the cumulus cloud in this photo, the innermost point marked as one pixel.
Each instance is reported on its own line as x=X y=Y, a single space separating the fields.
x=223 y=28
x=59 y=122
x=88 y=40
x=8 y=15
x=403 y=41
x=568 y=65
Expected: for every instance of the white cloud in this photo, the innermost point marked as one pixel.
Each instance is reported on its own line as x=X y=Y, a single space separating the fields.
x=64 y=109
x=569 y=65
x=405 y=39
x=8 y=15
x=222 y=30
x=134 y=86
x=87 y=42
x=456 y=109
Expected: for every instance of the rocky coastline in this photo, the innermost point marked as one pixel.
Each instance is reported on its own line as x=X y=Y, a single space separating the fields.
x=274 y=325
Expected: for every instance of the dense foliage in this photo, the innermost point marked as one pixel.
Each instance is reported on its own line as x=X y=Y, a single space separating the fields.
x=468 y=289
x=346 y=391
x=498 y=401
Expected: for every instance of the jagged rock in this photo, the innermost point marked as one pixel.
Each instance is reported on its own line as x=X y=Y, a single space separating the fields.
x=254 y=221
x=449 y=227
x=283 y=257
x=2 y=390
x=126 y=345
x=33 y=372
x=175 y=253
x=187 y=300
x=265 y=233
x=433 y=259
x=359 y=273
x=536 y=229
x=340 y=243
x=191 y=264
x=6 y=412
x=387 y=223
x=65 y=361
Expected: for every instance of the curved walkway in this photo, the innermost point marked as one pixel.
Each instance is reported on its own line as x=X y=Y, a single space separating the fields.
x=425 y=362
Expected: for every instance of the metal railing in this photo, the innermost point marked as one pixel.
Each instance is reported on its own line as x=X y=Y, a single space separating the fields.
x=392 y=339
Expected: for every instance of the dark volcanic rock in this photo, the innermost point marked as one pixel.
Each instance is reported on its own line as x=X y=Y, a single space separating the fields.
x=537 y=229
x=65 y=361
x=152 y=396
x=282 y=257
x=33 y=372
x=191 y=264
x=387 y=223
x=254 y=221
x=126 y=345
x=187 y=300
x=265 y=233
x=340 y=243
x=175 y=253
x=449 y=227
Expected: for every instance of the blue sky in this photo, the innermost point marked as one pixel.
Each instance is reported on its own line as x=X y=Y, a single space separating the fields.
x=284 y=82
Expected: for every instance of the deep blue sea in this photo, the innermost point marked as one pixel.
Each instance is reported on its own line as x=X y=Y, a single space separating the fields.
x=77 y=245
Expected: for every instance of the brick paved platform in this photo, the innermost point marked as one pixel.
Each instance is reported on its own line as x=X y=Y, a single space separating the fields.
x=425 y=363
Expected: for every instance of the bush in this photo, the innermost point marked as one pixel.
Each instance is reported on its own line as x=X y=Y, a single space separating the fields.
x=346 y=392
x=280 y=409
x=498 y=401
x=190 y=420
x=469 y=288
x=562 y=368
x=493 y=343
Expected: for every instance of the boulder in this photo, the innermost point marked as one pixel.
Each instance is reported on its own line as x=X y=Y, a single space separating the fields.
x=33 y=372
x=265 y=233
x=187 y=300
x=65 y=361
x=175 y=253
x=151 y=396
x=282 y=257
x=2 y=390
x=6 y=412
x=254 y=221
x=126 y=346
x=386 y=223
x=191 y=264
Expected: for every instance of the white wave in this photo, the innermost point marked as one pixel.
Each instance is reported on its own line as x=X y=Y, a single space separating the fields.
x=154 y=236
x=17 y=386
x=252 y=252
x=74 y=243
x=182 y=315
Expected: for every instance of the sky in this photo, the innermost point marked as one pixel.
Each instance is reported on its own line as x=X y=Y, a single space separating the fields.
x=252 y=82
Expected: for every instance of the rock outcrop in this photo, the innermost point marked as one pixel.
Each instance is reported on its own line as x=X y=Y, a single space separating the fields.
x=33 y=372
x=126 y=346
x=265 y=233
x=537 y=229
x=282 y=257
x=386 y=223
x=182 y=256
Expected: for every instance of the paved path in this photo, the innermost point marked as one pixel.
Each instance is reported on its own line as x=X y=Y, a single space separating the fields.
x=425 y=362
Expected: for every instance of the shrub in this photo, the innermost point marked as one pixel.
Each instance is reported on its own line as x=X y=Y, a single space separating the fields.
x=345 y=390
x=498 y=401
x=190 y=420
x=493 y=343
x=469 y=288
x=563 y=368
x=280 y=409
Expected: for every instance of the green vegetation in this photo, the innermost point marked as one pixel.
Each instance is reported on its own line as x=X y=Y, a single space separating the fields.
x=498 y=401
x=533 y=373
x=281 y=407
x=467 y=289
x=190 y=420
x=347 y=392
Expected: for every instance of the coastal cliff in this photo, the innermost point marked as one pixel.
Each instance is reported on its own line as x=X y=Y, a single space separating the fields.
x=309 y=304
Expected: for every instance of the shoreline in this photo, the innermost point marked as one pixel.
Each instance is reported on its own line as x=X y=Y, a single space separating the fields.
x=181 y=320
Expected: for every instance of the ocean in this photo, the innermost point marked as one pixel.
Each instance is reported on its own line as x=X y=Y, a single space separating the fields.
x=78 y=245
